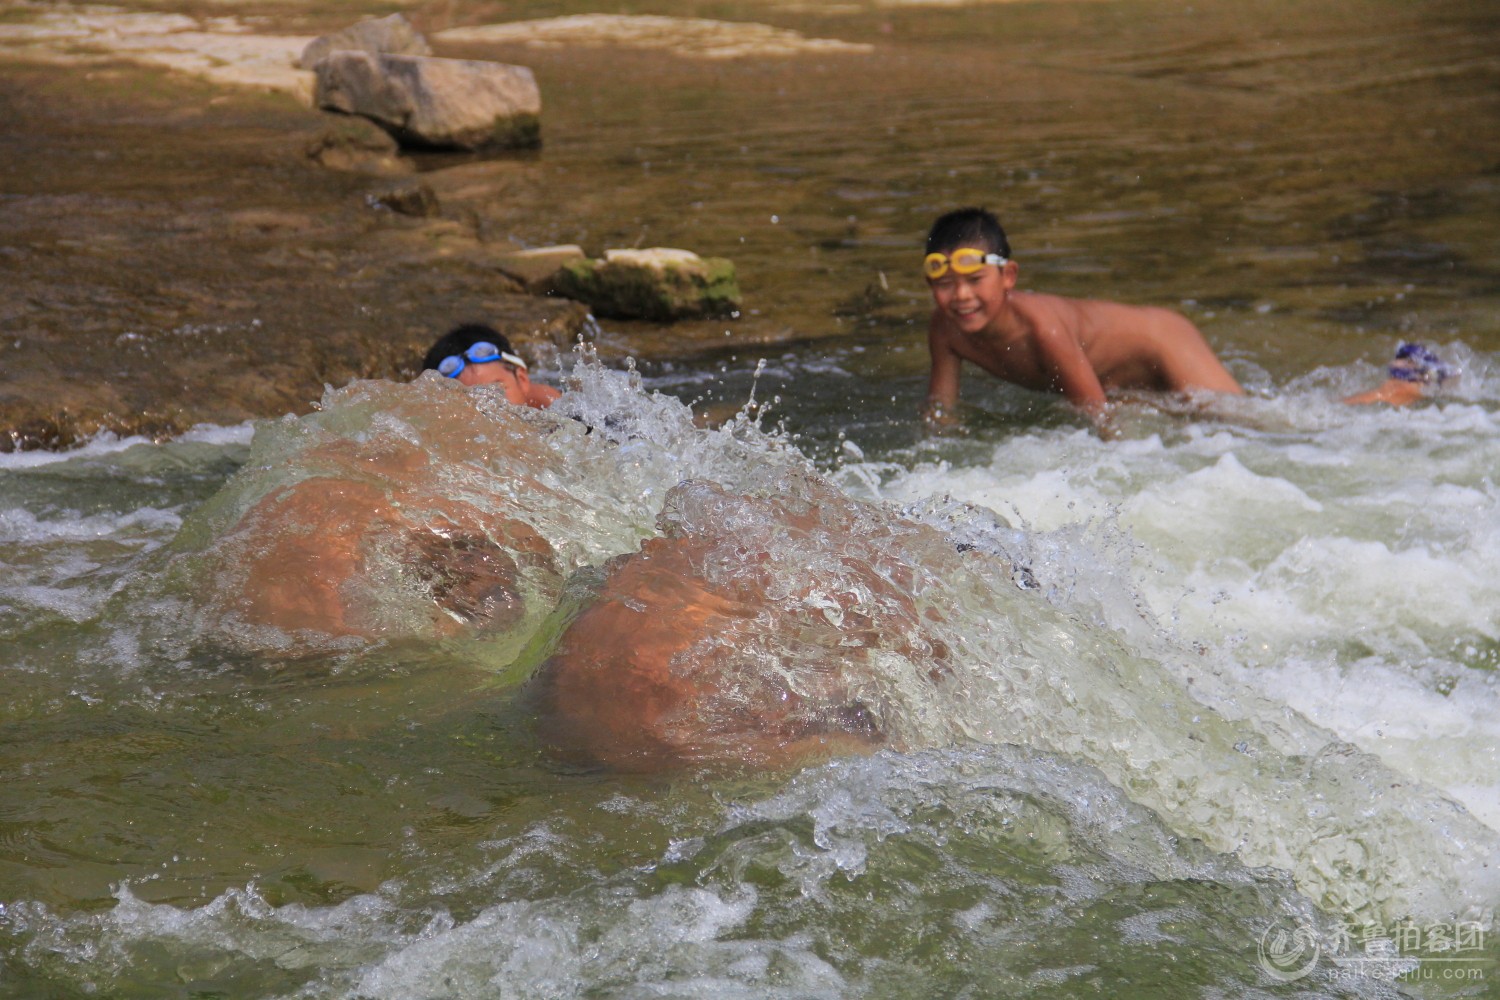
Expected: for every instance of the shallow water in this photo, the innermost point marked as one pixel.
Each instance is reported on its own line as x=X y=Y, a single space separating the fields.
x=1129 y=688
x=1230 y=675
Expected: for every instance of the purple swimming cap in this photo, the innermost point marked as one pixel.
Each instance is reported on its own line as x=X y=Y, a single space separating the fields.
x=1415 y=363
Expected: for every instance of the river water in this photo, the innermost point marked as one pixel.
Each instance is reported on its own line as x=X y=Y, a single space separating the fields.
x=1209 y=709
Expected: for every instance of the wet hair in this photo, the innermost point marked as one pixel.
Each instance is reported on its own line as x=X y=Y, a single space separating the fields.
x=461 y=338
x=968 y=227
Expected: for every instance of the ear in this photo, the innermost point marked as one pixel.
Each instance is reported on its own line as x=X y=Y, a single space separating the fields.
x=523 y=379
x=1009 y=273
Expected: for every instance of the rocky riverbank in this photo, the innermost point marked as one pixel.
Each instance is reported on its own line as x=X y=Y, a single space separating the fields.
x=174 y=255
x=176 y=259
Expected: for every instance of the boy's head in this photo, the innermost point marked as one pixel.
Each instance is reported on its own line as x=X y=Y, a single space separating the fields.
x=968 y=227
x=476 y=354
x=968 y=268
x=1415 y=363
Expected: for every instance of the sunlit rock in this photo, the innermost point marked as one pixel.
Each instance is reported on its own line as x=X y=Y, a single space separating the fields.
x=221 y=49
x=393 y=35
x=434 y=103
x=659 y=284
x=537 y=266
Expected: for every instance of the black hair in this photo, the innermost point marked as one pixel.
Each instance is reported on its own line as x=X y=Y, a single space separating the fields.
x=461 y=338
x=968 y=227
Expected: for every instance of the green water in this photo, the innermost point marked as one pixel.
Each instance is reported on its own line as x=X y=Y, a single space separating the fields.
x=1308 y=182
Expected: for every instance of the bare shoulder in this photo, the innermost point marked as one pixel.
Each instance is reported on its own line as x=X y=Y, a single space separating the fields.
x=1051 y=318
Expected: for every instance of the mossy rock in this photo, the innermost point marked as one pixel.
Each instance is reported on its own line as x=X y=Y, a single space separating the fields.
x=659 y=284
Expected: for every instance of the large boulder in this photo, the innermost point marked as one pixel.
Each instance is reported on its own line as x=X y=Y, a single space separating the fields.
x=434 y=103
x=659 y=283
x=393 y=35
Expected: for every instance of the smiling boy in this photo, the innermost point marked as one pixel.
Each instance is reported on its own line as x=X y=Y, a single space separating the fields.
x=1080 y=348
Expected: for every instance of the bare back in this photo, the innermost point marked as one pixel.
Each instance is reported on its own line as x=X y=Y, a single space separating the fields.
x=1078 y=347
x=1135 y=347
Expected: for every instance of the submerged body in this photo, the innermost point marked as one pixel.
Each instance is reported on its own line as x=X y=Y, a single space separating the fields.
x=737 y=636
x=318 y=556
x=651 y=675
x=416 y=526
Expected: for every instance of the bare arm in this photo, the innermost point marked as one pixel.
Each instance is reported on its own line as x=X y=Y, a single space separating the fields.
x=942 y=387
x=1063 y=359
x=1394 y=392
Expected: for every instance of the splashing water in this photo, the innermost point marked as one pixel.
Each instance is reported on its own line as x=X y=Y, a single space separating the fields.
x=1089 y=739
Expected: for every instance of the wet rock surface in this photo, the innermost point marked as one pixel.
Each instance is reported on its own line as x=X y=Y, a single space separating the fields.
x=184 y=239
x=177 y=259
x=358 y=145
x=177 y=252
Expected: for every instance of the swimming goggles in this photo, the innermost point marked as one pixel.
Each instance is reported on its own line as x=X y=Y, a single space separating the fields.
x=965 y=260
x=1415 y=363
x=477 y=354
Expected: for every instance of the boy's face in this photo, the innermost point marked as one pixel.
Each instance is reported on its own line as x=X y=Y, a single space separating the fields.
x=514 y=381
x=972 y=301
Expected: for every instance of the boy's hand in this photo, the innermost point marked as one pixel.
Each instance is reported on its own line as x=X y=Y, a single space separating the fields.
x=939 y=419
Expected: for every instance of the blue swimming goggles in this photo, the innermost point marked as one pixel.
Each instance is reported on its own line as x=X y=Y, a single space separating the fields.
x=478 y=354
x=1415 y=363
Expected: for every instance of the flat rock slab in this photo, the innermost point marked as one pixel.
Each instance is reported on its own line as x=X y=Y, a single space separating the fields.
x=434 y=103
x=145 y=310
x=220 y=49
x=692 y=37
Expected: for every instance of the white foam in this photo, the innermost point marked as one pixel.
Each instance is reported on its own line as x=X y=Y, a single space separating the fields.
x=1340 y=560
x=109 y=443
x=21 y=527
x=803 y=927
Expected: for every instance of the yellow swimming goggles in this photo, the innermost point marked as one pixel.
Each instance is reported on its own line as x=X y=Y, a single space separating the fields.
x=965 y=260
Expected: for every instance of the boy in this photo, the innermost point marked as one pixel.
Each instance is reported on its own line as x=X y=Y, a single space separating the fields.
x=1077 y=347
x=476 y=354
x=1414 y=369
